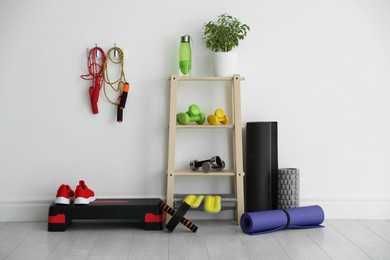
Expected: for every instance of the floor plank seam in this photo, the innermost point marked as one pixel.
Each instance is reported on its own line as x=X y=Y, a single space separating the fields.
x=169 y=244
x=204 y=238
x=358 y=247
x=242 y=242
x=94 y=243
x=58 y=244
x=379 y=235
x=132 y=245
x=21 y=241
x=318 y=244
x=280 y=244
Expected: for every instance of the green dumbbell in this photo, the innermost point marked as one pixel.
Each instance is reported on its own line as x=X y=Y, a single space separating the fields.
x=193 y=110
x=184 y=118
x=192 y=115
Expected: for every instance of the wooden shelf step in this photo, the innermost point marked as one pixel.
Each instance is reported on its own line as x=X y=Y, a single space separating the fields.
x=201 y=173
x=204 y=126
x=202 y=78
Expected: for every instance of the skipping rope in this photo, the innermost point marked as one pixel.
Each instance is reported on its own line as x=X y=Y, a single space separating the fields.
x=95 y=73
x=120 y=85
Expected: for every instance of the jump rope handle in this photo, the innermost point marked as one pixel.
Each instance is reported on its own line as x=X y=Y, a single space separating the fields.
x=123 y=97
x=119 y=115
x=94 y=94
x=122 y=102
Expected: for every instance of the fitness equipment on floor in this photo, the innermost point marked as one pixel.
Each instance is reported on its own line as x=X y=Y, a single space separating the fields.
x=214 y=162
x=212 y=204
x=228 y=201
x=146 y=211
x=181 y=211
x=218 y=117
x=288 y=188
x=193 y=200
x=192 y=115
x=178 y=216
x=261 y=175
x=271 y=220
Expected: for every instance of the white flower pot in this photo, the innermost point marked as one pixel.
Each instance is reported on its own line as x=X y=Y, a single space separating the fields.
x=225 y=64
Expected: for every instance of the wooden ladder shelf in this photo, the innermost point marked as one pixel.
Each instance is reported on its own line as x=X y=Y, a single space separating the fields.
x=236 y=126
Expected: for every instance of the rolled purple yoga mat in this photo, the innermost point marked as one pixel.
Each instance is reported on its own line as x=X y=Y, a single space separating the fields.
x=261 y=222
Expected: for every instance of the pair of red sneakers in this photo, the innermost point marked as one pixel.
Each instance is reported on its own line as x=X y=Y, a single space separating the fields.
x=83 y=194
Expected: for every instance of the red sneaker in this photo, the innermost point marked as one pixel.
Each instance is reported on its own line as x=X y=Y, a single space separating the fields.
x=83 y=194
x=64 y=193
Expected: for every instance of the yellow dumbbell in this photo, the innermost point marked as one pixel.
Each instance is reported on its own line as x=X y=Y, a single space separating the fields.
x=219 y=116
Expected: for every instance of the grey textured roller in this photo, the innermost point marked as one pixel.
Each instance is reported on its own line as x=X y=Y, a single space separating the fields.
x=288 y=188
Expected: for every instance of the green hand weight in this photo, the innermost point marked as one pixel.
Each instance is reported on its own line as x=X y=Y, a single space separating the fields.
x=193 y=110
x=192 y=115
x=184 y=118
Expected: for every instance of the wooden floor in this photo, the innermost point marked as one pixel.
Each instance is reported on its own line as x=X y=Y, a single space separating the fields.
x=216 y=239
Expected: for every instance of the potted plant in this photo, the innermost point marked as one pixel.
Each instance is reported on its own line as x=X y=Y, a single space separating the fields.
x=221 y=37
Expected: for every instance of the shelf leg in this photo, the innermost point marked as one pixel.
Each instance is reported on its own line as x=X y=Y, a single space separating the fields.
x=237 y=148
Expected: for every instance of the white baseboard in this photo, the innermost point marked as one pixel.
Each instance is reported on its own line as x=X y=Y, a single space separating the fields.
x=24 y=210
x=351 y=208
x=335 y=208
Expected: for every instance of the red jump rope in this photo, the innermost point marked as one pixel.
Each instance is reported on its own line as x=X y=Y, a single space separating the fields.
x=96 y=75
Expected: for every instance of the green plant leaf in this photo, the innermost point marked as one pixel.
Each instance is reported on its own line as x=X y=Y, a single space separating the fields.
x=224 y=34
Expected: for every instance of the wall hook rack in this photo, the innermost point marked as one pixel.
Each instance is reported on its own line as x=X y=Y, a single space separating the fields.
x=98 y=53
x=116 y=52
x=116 y=56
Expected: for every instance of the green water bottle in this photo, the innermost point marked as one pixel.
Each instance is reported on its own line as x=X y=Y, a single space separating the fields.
x=185 y=59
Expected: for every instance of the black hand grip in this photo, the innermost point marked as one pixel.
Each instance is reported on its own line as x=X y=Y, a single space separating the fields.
x=119 y=114
x=178 y=216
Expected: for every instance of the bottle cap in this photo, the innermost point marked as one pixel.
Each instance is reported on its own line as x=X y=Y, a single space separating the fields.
x=185 y=38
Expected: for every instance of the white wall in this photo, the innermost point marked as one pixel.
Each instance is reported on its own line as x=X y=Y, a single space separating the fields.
x=319 y=68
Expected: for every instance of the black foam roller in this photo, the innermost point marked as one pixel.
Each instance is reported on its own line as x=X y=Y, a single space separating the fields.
x=261 y=175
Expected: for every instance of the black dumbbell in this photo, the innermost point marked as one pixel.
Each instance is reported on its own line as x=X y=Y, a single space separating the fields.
x=195 y=164
x=208 y=167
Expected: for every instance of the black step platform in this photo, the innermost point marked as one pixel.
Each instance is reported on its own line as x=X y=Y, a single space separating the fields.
x=141 y=210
